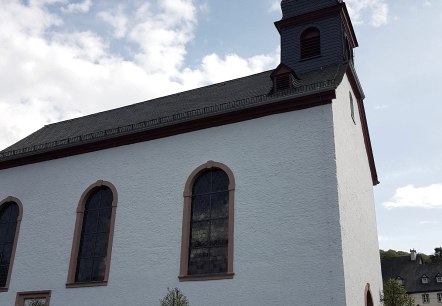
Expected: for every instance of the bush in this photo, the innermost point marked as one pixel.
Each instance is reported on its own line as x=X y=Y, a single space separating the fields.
x=395 y=295
x=174 y=297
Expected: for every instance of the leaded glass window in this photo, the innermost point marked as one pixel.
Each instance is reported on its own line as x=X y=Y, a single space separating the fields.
x=93 y=249
x=33 y=298
x=9 y=212
x=208 y=241
x=35 y=302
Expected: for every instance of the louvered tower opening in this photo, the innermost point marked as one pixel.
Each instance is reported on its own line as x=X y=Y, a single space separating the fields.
x=310 y=43
x=282 y=82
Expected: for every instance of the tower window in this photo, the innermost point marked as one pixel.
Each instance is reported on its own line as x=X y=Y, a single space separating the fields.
x=310 y=43
x=352 y=109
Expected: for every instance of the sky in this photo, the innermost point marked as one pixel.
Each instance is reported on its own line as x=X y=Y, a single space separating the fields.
x=61 y=59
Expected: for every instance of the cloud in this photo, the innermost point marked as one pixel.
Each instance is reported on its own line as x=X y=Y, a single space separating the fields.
x=381 y=107
x=117 y=19
x=383 y=238
x=55 y=73
x=204 y=8
x=275 y=6
x=376 y=11
x=418 y=197
x=80 y=7
x=426 y=222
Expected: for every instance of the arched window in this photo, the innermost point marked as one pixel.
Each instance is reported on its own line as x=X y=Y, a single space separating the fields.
x=11 y=212
x=368 y=296
x=207 y=241
x=310 y=43
x=92 y=244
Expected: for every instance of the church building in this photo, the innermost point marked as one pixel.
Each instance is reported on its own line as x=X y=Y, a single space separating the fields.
x=254 y=191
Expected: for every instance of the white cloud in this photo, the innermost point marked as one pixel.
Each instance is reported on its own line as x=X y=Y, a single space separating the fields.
x=215 y=69
x=426 y=222
x=55 y=75
x=275 y=6
x=419 y=197
x=117 y=19
x=80 y=7
x=374 y=10
x=383 y=238
x=381 y=107
x=204 y=8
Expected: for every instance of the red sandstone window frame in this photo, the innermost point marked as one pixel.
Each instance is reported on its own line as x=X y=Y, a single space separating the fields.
x=14 y=245
x=183 y=276
x=71 y=283
x=22 y=296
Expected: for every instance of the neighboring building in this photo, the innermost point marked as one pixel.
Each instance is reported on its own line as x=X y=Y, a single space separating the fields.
x=282 y=156
x=422 y=281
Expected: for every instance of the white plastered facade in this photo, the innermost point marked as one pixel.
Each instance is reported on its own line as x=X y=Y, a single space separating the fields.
x=360 y=248
x=298 y=240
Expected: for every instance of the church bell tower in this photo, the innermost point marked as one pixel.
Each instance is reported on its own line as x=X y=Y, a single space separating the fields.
x=315 y=34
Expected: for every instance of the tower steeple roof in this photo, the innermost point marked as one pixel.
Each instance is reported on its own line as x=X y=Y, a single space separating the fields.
x=291 y=8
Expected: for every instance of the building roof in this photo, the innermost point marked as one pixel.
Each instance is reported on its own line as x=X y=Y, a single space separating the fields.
x=225 y=97
x=411 y=272
x=223 y=103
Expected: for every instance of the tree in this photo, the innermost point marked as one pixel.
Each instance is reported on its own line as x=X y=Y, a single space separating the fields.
x=392 y=253
x=437 y=256
x=174 y=297
x=395 y=295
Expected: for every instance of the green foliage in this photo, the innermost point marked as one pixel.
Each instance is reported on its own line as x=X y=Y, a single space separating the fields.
x=425 y=258
x=395 y=295
x=392 y=253
x=174 y=297
x=437 y=256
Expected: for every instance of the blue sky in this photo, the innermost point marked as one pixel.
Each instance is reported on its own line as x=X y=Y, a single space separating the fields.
x=62 y=59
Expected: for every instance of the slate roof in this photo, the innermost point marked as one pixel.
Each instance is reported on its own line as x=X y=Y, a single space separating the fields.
x=411 y=272
x=225 y=97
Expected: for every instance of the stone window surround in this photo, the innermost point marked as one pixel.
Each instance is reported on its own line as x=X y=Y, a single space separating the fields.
x=21 y=296
x=14 y=246
x=183 y=276
x=71 y=283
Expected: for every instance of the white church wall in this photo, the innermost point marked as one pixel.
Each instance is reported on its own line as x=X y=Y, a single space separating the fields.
x=287 y=248
x=357 y=210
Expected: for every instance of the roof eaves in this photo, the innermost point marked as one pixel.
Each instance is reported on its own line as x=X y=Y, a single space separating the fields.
x=187 y=116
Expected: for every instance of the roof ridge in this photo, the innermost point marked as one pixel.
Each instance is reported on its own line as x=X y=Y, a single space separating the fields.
x=160 y=97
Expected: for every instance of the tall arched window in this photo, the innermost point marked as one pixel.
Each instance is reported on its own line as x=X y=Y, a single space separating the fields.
x=92 y=245
x=207 y=241
x=11 y=212
x=310 y=43
x=368 y=296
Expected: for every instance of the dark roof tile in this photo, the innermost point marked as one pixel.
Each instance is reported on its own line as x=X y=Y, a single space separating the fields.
x=203 y=102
